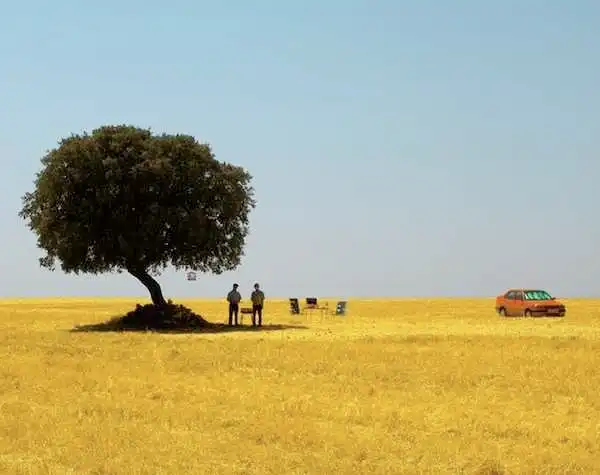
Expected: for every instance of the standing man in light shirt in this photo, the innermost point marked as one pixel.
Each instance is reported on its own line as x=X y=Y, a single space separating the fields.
x=258 y=300
x=234 y=297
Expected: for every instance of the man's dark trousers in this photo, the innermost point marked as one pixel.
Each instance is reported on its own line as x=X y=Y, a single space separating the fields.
x=233 y=310
x=257 y=309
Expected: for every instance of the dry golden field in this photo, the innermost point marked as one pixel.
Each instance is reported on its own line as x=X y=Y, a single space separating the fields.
x=396 y=387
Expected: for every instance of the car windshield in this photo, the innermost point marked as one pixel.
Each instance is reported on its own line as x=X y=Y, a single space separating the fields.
x=537 y=295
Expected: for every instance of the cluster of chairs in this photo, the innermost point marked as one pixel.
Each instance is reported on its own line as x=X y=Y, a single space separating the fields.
x=312 y=304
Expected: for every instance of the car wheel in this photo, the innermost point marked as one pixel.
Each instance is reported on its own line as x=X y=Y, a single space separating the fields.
x=528 y=313
x=502 y=312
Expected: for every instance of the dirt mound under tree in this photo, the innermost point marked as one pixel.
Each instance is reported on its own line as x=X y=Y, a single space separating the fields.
x=166 y=317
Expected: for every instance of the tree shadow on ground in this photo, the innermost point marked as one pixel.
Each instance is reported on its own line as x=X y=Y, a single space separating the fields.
x=171 y=318
x=208 y=328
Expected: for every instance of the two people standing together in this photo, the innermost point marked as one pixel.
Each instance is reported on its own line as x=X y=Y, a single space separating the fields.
x=234 y=298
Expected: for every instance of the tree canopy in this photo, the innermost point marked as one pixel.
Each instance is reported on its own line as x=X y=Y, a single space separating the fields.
x=125 y=199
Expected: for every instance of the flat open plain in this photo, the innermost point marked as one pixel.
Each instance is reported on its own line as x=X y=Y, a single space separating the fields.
x=396 y=387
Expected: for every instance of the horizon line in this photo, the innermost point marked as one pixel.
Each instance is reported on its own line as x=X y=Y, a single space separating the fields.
x=274 y=298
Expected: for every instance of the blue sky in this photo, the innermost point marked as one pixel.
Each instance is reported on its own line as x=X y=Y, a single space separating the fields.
x=398 y=148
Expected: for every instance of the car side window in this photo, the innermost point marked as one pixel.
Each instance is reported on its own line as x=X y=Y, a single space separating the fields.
x=510 y=295
x=518 y=295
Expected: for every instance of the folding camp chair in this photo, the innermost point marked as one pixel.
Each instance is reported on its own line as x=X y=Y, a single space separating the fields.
x=340 y=308
x=294 y=307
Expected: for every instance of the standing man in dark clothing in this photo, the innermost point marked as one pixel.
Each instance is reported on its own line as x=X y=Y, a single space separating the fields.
x=234 y=297
x=258 y=300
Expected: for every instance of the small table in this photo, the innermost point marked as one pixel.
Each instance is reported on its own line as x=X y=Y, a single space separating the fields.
x=245 y=311
x=316 y=308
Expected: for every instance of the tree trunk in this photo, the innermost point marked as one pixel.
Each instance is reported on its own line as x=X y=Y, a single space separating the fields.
x=153 y=287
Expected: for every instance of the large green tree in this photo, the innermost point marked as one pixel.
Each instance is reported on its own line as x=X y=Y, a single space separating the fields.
x=124 y=199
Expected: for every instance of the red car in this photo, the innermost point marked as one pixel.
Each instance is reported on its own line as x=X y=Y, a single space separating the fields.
x=529 y=303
